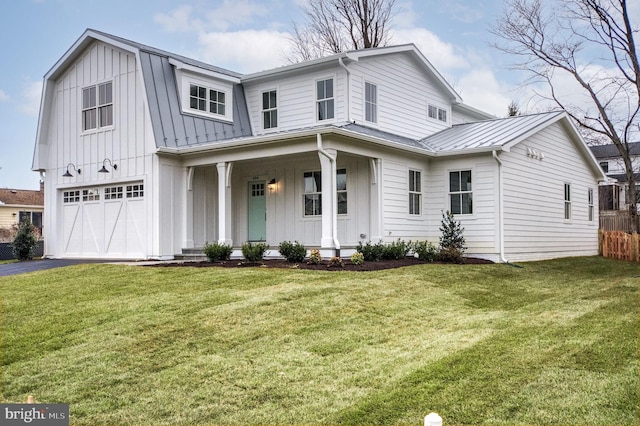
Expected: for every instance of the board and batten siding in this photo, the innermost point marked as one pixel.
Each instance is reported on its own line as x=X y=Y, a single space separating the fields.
x=404 y=93
x=296 y=100
x=534 y=223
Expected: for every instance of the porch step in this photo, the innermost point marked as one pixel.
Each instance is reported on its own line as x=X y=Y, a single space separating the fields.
x=191 y=255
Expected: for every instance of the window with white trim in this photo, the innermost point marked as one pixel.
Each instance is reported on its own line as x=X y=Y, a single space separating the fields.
x=567 y=201
x=325 y=101
x=113 y=193
x=437 y=113
x=460 y=192
x=312 y=193
x=341 y=181
x=71 y=196
x=207 y=100
x=97 y=106
x=135 y=191
x=34 y=217
x=370 y=102
x=415 y=192
x=269 y=109
x=92 y=194
x=590 y=206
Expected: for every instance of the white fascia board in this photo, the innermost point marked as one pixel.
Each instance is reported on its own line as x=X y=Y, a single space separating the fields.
x=179 y=65
x=470 y=151
x=474 y=111
x=292 y=68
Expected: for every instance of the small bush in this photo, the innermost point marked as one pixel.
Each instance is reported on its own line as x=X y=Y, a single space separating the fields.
x=335 y=262
x=25 y=241
x=357 y=258
x=426 y=251
x=315 y=258
x=452 y=239
x=293 y=252
x=396 y=250
x=217 y=251
x=451 y=254
x=371 y=252
x=254 y=252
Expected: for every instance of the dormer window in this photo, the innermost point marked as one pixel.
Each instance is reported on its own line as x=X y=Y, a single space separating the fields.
x=208 y=100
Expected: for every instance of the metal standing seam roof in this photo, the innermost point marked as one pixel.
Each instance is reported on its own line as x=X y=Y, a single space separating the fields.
x=486 y=134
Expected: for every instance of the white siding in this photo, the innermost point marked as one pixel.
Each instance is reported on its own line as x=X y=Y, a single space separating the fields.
x=404 y=92
x=535 y=227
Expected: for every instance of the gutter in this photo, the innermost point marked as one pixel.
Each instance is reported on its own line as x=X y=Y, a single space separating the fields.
x=334 y=195
x=500 y=207
x=343 y=65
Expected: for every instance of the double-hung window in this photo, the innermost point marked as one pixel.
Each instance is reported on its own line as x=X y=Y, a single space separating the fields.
x=415 y=192
x=313 y=192
x=460 y=192
x=567 y=201
x=325 y=101
x=97 y=106
x=370 y=102
x=269 y=109
x=207 y=100
x=590 y=200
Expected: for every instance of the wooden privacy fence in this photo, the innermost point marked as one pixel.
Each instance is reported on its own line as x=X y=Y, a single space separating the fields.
x=616 y=221
x=619 y=245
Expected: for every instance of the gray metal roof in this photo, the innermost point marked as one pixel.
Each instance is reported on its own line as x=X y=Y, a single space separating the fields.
x=611 y=151
x=391 y=137
x=488 y=133
x=173 y=128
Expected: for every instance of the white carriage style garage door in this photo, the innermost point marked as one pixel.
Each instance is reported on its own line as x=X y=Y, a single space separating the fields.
x=104 y=222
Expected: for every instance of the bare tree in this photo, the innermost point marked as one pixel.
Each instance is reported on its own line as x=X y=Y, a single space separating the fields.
x=334 y=26
x=592 y=42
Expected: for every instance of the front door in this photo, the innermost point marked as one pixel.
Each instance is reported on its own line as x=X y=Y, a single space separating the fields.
x=257 y=211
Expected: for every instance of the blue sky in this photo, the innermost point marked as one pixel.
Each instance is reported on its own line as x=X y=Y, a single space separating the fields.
x=240 y=35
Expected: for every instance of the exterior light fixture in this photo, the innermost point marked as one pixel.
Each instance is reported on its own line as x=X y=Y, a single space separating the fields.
x=104 y=169
x=272 y=185
x=68 y=174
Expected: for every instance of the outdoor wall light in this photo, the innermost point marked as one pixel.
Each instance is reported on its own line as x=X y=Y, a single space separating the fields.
x=104 y=169
x=272 y=185
x=68 y=174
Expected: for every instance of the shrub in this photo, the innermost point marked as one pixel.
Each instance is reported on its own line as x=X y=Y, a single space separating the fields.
x=452 y=239
x=293 y=252
x=25 y=241
x=315 y=258
x=371 y=252
x=254 y=252
x=426 y=251
x=396 y=250
x=357 y=258
x=217 y=251
x=335 y=262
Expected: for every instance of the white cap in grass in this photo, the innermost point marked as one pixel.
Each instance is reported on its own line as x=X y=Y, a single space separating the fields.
x=433 y=419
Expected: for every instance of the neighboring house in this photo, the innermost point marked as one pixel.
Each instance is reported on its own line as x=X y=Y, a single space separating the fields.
x=369 y=145
x=614 y=194
x=18 y=204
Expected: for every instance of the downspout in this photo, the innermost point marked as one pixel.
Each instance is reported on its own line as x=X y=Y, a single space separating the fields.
x=348 y=100
x=334 y=195
x=500 y=207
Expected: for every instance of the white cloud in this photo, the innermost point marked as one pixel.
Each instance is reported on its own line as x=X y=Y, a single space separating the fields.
x=481 y=89
x=442 y=55
x=31 y=93
x=3 y=96
x=463 y=12
x=178 y=20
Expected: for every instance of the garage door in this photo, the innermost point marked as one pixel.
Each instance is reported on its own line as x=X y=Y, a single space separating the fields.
x=104 y=222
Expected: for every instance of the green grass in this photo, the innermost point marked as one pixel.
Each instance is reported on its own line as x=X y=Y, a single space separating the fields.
x=555 y=342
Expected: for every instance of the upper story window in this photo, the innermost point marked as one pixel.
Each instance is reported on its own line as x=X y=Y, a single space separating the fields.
x=97 y=106
x=370 y=102
x=415 y=192
x=460 y=192
x=437 y=113
x=605 y=166
x=325 y=101
x=269 y=109
x=207 y=100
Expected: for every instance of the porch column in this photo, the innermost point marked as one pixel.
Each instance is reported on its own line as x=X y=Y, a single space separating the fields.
x=329 y=198
x=224 y=203
x=375 y=195
x=188 y=207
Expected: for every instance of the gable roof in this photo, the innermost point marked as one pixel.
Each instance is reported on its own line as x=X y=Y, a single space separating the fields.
x=611 y=151
x=21 y=197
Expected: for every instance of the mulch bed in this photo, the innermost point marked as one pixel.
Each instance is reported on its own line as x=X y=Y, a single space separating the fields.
x=324 y=266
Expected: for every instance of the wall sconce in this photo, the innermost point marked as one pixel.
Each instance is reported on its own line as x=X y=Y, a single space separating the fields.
x=68 y=174
x=272 y=185
x=104 y=169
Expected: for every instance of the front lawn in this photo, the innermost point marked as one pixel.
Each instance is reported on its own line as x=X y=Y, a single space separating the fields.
x=555 y=342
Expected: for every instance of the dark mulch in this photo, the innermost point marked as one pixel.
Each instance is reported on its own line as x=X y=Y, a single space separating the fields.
x=324 y=266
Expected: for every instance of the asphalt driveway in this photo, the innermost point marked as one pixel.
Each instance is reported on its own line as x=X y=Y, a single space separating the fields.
x=39 y=265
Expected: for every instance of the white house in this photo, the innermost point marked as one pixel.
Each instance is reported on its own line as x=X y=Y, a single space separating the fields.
x=614 y=194
x=146 y=153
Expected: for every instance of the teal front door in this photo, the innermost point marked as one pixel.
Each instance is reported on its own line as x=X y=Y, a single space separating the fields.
x=257 y=211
